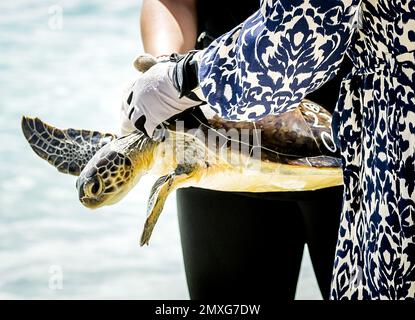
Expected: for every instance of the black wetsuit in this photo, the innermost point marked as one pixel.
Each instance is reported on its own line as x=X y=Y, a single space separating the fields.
x=243 y=245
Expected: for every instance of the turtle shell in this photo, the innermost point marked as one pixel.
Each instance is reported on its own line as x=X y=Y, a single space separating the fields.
x=301 y=136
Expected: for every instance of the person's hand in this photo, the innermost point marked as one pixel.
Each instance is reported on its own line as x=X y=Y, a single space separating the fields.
x=163 y=90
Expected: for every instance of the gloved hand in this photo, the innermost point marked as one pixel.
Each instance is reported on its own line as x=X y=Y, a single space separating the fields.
x=164 y=89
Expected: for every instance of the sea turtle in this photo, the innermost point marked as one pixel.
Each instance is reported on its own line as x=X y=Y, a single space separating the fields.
x=286 y=152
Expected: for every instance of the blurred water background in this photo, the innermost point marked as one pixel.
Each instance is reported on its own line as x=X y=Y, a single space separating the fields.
x=68 y=62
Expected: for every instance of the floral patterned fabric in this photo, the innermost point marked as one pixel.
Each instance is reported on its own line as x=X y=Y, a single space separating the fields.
x=375 y=127
x=270 y=62
x=289 y=48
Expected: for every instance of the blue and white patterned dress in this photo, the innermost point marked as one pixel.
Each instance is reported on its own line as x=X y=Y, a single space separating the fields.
x=290 y=48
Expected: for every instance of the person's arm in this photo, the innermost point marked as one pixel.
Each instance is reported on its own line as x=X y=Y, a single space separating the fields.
x=168 y=26
x=266 y=65
x=284 y=51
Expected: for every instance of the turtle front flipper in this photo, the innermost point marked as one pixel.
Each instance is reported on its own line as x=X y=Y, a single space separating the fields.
x=158 y=195
x=67 y=150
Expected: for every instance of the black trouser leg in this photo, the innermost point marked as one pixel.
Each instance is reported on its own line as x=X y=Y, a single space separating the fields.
x=321 y=214
x=239 y=247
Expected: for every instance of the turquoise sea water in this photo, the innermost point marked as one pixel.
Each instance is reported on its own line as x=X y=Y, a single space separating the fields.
x=67 y=62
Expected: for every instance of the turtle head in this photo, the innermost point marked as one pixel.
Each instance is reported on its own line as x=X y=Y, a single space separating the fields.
x=114 y=170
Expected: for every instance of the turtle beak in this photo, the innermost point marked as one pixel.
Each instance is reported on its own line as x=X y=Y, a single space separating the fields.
x=90 y=203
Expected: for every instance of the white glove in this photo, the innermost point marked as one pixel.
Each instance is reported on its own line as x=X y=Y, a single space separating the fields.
x=153 y=98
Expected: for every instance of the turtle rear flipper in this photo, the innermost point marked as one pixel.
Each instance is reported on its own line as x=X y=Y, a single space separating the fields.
x=67 y=150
